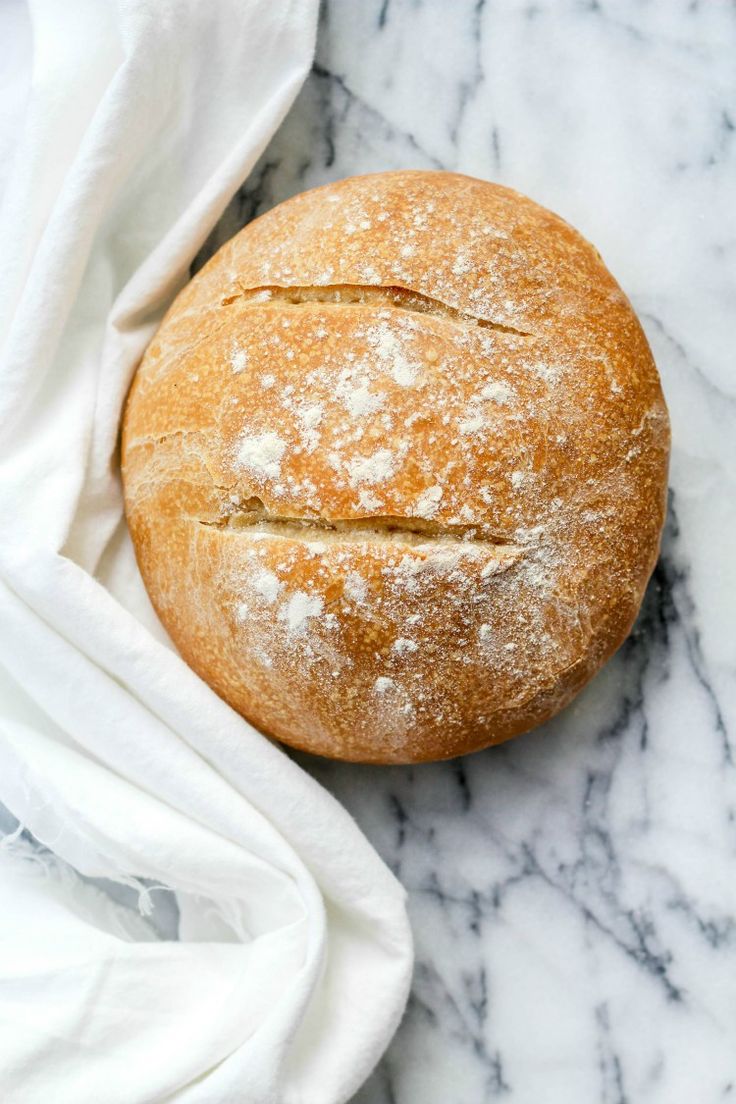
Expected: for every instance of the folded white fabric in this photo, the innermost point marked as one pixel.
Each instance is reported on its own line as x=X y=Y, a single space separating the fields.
x=292 y=966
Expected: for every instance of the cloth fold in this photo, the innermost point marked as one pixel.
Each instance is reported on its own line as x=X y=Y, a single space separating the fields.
x=294 y=955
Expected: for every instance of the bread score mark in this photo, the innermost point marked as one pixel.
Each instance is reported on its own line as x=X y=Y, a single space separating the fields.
x=254 y=521
x=386 y=296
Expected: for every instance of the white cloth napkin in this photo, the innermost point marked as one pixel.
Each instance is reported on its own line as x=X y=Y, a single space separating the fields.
x=294 y=956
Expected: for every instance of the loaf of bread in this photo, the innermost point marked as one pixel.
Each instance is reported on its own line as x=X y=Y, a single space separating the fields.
x=395 y=467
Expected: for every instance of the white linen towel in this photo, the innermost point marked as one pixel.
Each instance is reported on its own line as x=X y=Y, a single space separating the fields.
x=293 y=962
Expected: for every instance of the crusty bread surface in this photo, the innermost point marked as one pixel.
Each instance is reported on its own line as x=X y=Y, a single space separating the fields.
x=395 y=467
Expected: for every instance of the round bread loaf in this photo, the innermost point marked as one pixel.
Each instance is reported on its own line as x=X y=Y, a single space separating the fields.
x=395 y=467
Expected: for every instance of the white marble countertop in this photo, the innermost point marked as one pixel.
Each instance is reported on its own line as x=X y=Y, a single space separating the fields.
x=573 y=894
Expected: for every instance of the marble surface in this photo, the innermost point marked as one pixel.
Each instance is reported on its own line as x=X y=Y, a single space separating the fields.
x=573 y=894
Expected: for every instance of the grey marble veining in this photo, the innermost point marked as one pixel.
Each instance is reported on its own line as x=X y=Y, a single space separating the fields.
x=573 y=894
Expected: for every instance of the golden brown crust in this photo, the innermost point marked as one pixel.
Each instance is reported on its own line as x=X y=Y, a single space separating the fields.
x=395 y=467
